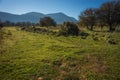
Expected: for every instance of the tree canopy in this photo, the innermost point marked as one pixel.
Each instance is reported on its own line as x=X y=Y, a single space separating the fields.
x=107 y=14
x=47 y=21
x=69 y=28
x=88 y=18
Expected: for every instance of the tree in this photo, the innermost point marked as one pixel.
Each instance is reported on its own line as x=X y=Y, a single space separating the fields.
x=108 y=13
x=27 y=24
x=7 y=23
x=1 y=24
x=69 y=28
x=88 y=18
x=117 y=11
x=47 y=21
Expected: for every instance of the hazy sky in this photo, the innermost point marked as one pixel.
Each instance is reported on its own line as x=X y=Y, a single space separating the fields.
x=70 y=7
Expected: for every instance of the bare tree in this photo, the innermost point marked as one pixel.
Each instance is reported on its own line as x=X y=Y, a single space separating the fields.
x=88 y=18
x=1 y=24
x=117 y=11
x=108 y=14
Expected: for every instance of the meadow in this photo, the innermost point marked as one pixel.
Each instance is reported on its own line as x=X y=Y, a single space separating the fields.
x=28 y=56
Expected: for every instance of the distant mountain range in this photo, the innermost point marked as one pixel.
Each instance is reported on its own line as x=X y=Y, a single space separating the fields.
x=34 y=17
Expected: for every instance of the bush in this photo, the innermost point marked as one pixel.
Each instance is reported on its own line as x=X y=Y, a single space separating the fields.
x=9 y=32
x=38 y=30
x=84 y=35
x=47 y=21
x=57 y=62
x=1 y=36
x=69 y=28
x=95 y=38
x=112 y=41
x=1 y=25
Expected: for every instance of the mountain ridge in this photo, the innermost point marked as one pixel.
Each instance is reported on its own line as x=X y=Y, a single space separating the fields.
x=34 y=17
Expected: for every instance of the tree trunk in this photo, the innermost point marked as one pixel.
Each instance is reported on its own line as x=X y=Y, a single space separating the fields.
x=101 y=27
x=91 y=28
x=88 y=27
x=111 y=28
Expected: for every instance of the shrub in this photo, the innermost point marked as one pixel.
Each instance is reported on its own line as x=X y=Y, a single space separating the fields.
x=95 y=38
x=9 y=32
x=57 y=62
x=1 y=36
x=112 y=41
x=47 y=21
x=1 y=25
x=84 y=35
x=69 y=28
x=23 y=28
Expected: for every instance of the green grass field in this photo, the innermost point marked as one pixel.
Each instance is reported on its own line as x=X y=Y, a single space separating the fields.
x=28 y=56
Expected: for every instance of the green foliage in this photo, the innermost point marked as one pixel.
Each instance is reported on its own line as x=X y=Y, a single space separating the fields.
x=47 y=21
x=69 y=28
x=41 y=30
x=1 y=24
x=112 y=41
x=88 y=18
x=57 y=62
x=84 y=35
x=1 y=36
x=106 y=15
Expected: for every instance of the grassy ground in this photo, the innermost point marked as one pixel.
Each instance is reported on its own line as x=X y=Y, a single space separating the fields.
x=28 y=56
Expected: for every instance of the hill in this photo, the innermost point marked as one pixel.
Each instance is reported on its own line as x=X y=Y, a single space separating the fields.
x=35 y=17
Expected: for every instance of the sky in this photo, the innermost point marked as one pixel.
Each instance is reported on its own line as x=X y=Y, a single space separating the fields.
x=71 y=8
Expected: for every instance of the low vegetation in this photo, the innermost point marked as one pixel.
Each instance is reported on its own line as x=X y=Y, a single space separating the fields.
x=69 y=28
x=29 y=56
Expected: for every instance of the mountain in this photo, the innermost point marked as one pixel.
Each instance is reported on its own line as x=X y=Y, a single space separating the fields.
x=28 y=17
x=34 y=17
x=61 y=17
x=7 y=16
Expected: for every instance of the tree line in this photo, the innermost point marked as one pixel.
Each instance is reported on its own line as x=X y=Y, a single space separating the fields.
x=21 y=24
x=108 y=14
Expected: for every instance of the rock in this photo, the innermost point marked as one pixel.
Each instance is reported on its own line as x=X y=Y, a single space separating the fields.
x=40 y=78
